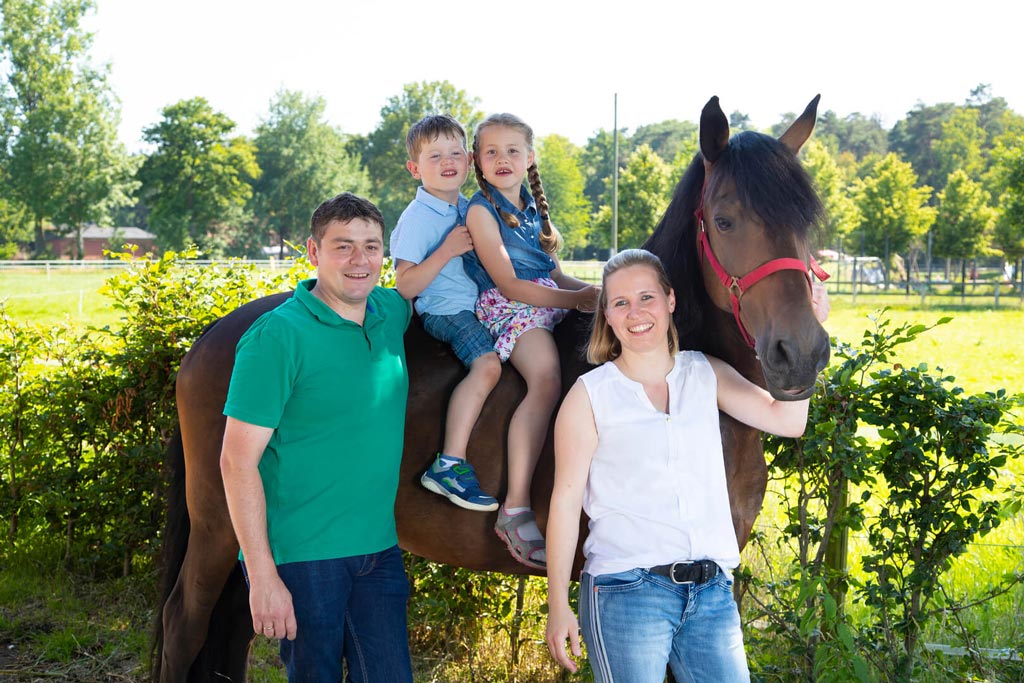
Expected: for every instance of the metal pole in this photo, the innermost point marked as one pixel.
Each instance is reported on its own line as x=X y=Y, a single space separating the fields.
x=928 y=285
x=615 y=178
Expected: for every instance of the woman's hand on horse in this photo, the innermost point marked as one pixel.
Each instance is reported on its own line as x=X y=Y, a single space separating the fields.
x=587 y=298
x=819 y=301
x=562 y=624
x=272 y=612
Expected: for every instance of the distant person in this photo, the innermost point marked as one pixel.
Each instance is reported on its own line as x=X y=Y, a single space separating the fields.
x=638 y=448
x=427 y=245
x=523 y=295
x=312 y=448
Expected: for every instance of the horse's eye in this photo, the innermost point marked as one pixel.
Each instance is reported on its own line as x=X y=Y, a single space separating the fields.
x=723 y=224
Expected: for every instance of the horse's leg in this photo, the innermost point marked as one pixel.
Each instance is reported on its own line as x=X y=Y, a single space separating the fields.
x=226 y=651
x=187 y=613
x=212 y=553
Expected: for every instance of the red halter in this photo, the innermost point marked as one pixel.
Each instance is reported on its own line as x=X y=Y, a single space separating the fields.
x=738 y=285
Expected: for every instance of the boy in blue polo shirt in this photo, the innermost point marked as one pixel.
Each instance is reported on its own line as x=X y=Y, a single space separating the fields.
x=427 y=245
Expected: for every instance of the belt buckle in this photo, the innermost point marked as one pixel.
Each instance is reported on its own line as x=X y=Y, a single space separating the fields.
x=672 y=573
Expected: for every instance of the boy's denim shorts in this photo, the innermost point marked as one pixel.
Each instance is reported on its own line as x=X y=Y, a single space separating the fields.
x=466 y=335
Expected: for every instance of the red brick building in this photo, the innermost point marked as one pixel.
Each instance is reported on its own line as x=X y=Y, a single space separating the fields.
x=95 y=239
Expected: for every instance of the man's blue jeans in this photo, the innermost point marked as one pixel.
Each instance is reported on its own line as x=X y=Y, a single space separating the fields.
x=636 y=623
x=352 y=608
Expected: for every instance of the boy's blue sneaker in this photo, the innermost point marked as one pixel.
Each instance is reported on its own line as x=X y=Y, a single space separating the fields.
x=458 y=484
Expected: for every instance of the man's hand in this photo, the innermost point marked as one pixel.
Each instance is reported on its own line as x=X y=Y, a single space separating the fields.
x=271 y=604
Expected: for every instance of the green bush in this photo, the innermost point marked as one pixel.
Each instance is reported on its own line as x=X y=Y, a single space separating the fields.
x=922 y=484
x=84 y=416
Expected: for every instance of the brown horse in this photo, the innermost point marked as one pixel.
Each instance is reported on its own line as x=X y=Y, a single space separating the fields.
x=757 y=205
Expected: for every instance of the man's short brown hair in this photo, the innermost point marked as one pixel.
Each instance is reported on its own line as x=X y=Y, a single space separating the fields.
x=344 y=207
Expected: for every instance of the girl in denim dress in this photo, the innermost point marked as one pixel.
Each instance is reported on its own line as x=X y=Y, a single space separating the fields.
x=523 y=295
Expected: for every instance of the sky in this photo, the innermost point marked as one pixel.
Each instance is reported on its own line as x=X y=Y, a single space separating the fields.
x=557 y=64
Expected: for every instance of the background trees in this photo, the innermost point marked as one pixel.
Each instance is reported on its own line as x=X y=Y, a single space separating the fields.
x=60 y=157
x=304 y=160
x=645 y=188
x=202 y=183
x=963 y=218
x=893 y=208
x=558 y=162
x=197 y=181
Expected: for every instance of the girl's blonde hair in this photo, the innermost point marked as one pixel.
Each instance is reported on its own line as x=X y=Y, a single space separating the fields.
x=603 y=345
x=550 y=238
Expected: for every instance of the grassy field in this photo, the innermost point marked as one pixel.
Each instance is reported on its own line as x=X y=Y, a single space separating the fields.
x=58 y=627
x=60 y=295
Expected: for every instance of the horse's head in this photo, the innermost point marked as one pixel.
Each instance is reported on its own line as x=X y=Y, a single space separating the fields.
x=755 y=212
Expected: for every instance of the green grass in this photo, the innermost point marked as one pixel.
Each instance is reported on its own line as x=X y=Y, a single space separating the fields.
x=70 y=295
x=56 y=626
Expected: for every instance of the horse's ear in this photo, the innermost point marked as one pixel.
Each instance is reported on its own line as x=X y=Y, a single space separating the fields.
x=714 y=131
x=796 y=135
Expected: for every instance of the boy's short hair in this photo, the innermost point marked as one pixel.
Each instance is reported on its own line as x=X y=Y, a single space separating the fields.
x=429 y=128
x=344 y=207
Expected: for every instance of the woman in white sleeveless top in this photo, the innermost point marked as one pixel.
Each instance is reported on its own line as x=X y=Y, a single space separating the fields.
x=637 y=446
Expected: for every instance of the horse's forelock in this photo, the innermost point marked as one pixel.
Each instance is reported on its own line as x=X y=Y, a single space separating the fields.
x=771 y=181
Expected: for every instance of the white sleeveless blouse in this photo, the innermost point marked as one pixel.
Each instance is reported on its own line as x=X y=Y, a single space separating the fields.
x=656 y=492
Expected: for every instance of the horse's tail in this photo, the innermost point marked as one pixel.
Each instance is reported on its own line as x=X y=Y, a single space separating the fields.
x=174 y=543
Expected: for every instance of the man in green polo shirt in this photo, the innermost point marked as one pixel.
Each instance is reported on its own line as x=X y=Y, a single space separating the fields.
x=316 y=415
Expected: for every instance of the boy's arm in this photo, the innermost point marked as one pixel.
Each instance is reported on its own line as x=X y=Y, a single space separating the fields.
x=412 y=278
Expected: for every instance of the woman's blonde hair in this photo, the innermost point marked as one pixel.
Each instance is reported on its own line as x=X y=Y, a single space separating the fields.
x=603 y=345
x=550 y=238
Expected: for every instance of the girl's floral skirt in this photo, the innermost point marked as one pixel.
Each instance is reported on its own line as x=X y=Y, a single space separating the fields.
x=507 y=320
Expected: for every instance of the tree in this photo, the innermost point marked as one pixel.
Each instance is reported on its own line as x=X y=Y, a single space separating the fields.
x=14 y=227
x=668 y=139
x=854 y=133
x=739 y=122
x=893 y=209
x=60 y=151
x=557 y=160
x=912 y=138
x=644 y=192
x=197 y=182
x=598 y=161
x=960 y=146
x=834 y=189
x=1009 y=230
x=102 y=177
x=964 y=217
x=383 y=151
x=304 y=160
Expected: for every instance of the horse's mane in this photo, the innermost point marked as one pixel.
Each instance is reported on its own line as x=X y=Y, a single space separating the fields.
x=674 y=241
x=768 y=179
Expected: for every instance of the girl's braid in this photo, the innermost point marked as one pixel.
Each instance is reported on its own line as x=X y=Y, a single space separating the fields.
x=550 y=239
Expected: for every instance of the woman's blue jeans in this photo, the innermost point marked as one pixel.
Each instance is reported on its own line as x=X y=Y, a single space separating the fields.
x=635 y=624
x=352 y=608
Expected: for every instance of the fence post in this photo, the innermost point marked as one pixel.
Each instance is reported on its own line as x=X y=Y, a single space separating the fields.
x=853 y=282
